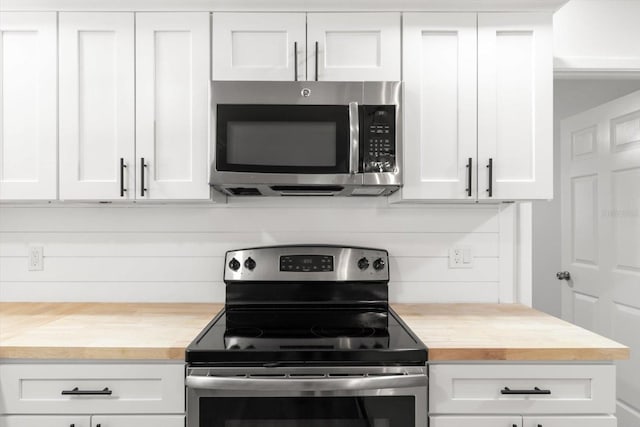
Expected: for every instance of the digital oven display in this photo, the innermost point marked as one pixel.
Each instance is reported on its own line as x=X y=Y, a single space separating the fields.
x=306 y=263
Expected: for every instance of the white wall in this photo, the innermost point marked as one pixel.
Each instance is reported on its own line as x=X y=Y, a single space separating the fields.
x=175 y=253
x=597 y=35
x=570 y=97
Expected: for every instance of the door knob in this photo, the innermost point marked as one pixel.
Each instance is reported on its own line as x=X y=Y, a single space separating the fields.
x=563 y=275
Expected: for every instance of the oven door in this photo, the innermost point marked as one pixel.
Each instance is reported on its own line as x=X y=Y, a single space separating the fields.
x=293 y=399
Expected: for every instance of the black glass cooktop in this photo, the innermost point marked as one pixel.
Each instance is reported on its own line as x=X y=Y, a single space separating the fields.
x=286 y=336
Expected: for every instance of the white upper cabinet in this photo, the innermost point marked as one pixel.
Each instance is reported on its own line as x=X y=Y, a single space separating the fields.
x=440 y=136
x=478 y=107
x=285 y=46
x=515 y=106
x=258 y=46
x=353 y=46
x=134 y=106
x=96 y=105
x=172 y=105
x=28 y=106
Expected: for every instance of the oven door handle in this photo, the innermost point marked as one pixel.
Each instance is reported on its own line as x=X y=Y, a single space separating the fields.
x=354 y=137
x=305 y=384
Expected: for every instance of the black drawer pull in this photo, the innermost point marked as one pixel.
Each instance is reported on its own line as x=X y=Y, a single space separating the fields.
x=77 y=392
x=535 y=390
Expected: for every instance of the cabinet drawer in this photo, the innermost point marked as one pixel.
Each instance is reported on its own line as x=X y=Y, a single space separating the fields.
x=137 y=421
x=118 y=388
x=510 y=389
x=45 y=421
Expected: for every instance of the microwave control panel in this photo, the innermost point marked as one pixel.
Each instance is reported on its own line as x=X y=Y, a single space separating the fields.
x=378 y=138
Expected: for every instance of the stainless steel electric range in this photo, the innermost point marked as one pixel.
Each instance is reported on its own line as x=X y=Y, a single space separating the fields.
x=306 y=338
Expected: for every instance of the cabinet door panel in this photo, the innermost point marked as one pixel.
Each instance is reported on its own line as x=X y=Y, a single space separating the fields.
x=353 y=46
x=570 y=421
x=440 y=105
x=475 y=421
x=172 y=104
x=96 y=104
x=28 y=108
x=515 y=118
x=258 y=46
x=44 y=421
x=137 y=421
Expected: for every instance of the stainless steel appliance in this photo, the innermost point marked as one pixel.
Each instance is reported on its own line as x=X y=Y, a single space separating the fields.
x=306 y=338
x=306 y=138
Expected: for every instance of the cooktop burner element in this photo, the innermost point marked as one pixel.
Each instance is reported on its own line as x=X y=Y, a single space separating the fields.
x=293 y=316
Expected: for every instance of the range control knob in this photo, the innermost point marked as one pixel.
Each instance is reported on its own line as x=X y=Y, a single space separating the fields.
x=234 y=264
x=250 y=263
x=378 y=264
x=363 y=263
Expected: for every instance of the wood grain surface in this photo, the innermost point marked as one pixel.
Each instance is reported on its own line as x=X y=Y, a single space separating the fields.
x=162 y=331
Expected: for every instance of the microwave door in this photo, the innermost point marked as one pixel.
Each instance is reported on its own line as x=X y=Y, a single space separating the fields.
x=284 y=139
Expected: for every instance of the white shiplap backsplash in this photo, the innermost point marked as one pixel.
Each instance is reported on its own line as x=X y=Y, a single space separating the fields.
x=175 y=253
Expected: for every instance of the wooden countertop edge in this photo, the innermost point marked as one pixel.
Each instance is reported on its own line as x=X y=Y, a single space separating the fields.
x=528 y=354
x=93 y=353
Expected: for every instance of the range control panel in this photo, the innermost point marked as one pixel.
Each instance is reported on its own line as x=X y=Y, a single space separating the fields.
x=378 y=138
x=307 y=263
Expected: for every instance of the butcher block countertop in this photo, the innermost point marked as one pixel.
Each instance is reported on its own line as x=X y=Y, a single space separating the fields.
x=462 y=332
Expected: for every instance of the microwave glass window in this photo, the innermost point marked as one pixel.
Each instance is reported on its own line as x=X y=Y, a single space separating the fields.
x=264 y=143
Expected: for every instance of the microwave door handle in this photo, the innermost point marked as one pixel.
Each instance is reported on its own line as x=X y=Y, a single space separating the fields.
x=354 y=136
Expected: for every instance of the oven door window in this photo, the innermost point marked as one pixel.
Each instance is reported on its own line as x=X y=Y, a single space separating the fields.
x=300 y=139
x=356 y=411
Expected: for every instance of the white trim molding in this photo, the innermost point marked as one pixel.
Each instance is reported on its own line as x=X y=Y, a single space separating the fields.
x=285 y=5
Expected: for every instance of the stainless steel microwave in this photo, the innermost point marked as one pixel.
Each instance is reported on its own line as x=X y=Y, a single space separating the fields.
x=306 y=138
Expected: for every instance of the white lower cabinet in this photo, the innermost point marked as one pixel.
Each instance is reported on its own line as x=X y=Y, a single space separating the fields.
x=45 y=421
x=93 y=421
x=137 y=421
x=92 y=394
x=514 y=421
x=475 y=421
x=522 y=395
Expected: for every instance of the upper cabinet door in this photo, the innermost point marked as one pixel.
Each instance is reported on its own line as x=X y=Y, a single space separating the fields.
x=172 y=104
x=258 y=46
x=439 y=55
x=28 y=108
x=353 y=46
x=515 y=100
x=96 y=105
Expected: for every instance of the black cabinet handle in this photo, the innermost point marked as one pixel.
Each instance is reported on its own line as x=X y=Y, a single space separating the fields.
x=469 y=180
x=122 y=166
x=316 y=61
x=295 y=61
x=72 y=425
x=142 y=166
x=535 y=390
x=490 y=167
x=77 y=392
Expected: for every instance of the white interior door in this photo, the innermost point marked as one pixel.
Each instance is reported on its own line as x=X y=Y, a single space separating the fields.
x=96 y=93
x=258 y=46
x=601 y=233
x=172 y=105
x=439 y=54
x=353 y=46
x=28 y=108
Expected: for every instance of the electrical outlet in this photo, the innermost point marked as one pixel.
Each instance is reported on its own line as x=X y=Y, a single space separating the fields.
x=460 y=257
x=35 y=258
